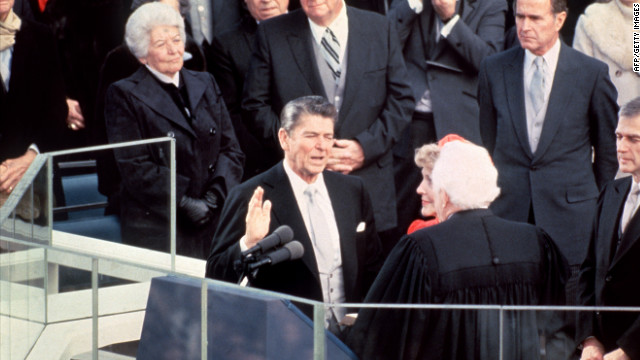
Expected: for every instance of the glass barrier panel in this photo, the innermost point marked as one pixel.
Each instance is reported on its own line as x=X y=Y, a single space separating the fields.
x=23 y=212
x=22 y=297
x=121 y=195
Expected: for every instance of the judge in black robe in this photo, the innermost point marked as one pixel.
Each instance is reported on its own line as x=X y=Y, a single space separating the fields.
x=473 y=257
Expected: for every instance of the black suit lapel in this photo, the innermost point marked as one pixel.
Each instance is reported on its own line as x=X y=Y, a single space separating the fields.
x=427 y=24
x=285 y=211
x=610 y=223
x=632 y=233
x=153 y=95
x=514 y=84
x=195 y=88
x=559 y=99
x=464 y=9
x=3 y=89
x=301 y=47
x=346 y=229
x=358 y=52
x=21 y=59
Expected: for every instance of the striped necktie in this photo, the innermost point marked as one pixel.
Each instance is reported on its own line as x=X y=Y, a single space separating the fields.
x=330 y=52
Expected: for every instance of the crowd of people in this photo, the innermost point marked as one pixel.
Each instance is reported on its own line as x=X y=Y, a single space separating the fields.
x=315 y=113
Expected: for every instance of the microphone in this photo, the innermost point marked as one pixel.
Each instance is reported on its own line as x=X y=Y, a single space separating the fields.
x=290 y=251
x=282 y=235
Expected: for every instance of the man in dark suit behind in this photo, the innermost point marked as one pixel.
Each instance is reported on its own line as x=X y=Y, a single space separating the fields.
x=231 y=53
x=444 y=43
x=306 y=136
x=547 y=116
x=609 y=274
x=359 y=69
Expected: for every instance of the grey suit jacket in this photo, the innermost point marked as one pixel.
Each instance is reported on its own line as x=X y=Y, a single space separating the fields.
x=377 y=101
x=560 y=181
x=609 y=277
x=350 y=201
x=449 y=68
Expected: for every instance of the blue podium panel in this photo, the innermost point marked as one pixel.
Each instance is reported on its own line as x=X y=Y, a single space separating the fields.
x=241 y=325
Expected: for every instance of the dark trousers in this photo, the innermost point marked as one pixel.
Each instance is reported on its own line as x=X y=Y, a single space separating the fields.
x=558 y=328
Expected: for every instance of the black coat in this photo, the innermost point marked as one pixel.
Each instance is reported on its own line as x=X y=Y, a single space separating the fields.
x=231 y=53
x=207 y=155
x=34 y=110
x=360 y=249
x=119 y=64
x=472 y=258
x=611 y=279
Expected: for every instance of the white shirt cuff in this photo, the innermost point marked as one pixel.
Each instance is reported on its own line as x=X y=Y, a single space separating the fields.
x=446 y=29
x=243 y=243
x=416 y=5
x=34 y=147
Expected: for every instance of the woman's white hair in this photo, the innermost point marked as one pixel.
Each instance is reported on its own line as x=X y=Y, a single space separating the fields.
x=467 y=174
x=143 y=20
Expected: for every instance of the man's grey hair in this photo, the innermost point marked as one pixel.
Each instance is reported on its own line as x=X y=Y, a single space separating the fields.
x=630 y=109
x=143 y=20
x=306 y=105
x=467 y=174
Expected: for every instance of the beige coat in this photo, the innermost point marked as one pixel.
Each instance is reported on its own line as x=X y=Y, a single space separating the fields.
x=604 y=32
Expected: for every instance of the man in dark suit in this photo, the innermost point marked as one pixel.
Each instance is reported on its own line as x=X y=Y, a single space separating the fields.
x=210 y=18
x=341 y=273
x=547 y=116
x=231 y=53
x=444 y=43
x=352 y=58
x=609 y=274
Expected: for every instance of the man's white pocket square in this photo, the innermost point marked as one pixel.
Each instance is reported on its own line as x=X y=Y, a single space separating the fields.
x=361 y=227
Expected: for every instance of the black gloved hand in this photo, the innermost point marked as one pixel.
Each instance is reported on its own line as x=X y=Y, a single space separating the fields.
x=196 y=210
x=211 y=199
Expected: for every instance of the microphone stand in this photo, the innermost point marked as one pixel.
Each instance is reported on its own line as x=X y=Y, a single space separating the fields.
x=242 y=267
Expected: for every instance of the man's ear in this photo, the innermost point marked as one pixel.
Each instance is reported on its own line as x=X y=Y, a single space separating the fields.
x=560 y=19
x=284 y=138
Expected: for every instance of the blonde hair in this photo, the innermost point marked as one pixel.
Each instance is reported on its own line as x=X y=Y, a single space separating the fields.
x=426 y=156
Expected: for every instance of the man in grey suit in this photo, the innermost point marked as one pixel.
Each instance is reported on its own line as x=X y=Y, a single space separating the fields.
x=352 y=58
x=547 y=116
x=444 y=42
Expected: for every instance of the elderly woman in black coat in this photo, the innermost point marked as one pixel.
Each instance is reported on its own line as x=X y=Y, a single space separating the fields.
x=163 y=99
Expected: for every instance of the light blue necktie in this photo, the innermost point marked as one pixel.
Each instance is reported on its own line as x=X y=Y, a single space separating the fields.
x=536 y=88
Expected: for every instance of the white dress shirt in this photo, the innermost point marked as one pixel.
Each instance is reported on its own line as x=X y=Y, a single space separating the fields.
x=339 y=27
x=331 y=274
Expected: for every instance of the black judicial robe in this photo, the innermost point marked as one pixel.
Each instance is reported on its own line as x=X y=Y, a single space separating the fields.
x=472 y=258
